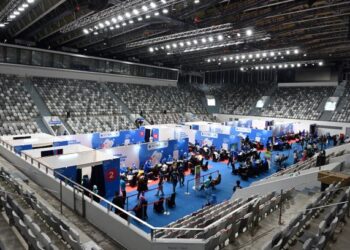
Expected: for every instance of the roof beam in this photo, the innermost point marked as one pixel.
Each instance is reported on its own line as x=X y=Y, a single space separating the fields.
x=40 y=10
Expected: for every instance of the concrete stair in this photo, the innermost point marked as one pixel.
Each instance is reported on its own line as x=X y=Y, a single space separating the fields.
x=125 y=108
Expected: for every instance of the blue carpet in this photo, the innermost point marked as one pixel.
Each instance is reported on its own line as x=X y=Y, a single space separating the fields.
x=188 y=203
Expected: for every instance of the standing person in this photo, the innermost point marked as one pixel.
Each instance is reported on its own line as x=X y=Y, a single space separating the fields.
x=238 y=186
x=140 y=186
x=119 y=202
x=95 y=191
x=295 y=156
x=123 y=188
x=160 y=185
x=181 y=171
x=174 y=179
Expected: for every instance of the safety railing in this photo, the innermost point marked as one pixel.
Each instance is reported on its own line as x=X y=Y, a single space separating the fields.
x=202 y=177
x=78 y=189
x=127 y=197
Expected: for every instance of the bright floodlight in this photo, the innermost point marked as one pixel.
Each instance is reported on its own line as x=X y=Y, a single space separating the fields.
x=165 y=11
x=120 y=18
x=296 y=51
x=30 y=1
x=135 y=11
x=114 y=20
x=153 y=5
x=107 y=23
x=287 y=52
x=220 y=37
x=204 y=40
x=249 y=32
x=320 y=63
x=85 y=31
x=127 y=14
x=144 y=8
x=211 y=39
x=2 y=25
x=151 y=50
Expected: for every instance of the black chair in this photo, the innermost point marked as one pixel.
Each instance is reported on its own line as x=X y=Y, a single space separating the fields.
x=171 y=200
x=158 y=206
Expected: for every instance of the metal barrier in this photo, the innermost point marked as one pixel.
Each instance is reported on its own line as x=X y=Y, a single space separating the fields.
x=77 y=188
x=202 y=176
x=127 y=197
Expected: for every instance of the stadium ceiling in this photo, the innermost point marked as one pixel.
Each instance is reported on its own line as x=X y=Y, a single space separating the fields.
x=133 y=29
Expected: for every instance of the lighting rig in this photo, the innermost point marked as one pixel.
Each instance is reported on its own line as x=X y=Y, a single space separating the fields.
x=255 y=56
x=121 y=14
x=284 y=65
x=201 y=39
x=12 y=10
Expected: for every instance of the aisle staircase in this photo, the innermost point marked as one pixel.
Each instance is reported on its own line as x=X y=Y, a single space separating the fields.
x=128 y=112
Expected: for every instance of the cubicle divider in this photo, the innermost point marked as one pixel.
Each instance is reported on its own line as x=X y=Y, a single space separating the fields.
x=73 y=195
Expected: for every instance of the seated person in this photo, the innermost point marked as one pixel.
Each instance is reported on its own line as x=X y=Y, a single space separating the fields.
x=158 y=206
x=207 y=183
x=216 y=156
x=170 y=201
x=216 y=181
x=205 y=166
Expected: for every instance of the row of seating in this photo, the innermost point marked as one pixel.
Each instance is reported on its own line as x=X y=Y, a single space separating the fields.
x=343 y=115
x=239 y=100
x=79 y=97
x=239 y=216
x=37 y=224
x=86 y=124
x=16 y=128
x=149 y=99
x=297 y=103
x=17 y=109
x=300 y=231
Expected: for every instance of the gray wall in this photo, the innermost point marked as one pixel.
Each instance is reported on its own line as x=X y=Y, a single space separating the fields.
x=26 y=70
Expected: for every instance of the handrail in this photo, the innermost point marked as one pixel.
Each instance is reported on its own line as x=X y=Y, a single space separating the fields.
x=66 y=179
x=127 y=197
x=202 y=176
x=92 y=194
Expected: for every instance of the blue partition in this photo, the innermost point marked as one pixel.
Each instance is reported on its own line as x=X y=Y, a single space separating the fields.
x=156 y=151
x=69 y=172
x=217 y=140
x=111 y=170
x=117 y=138
x=253 y=134
x=20 y=148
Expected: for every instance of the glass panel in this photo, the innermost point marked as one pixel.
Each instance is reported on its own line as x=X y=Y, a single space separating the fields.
x=57 y=61
x=47 y=59
x=66 y=62
x=25 y=56
x=11 y=55
x=2 y=54
x=36 y=58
